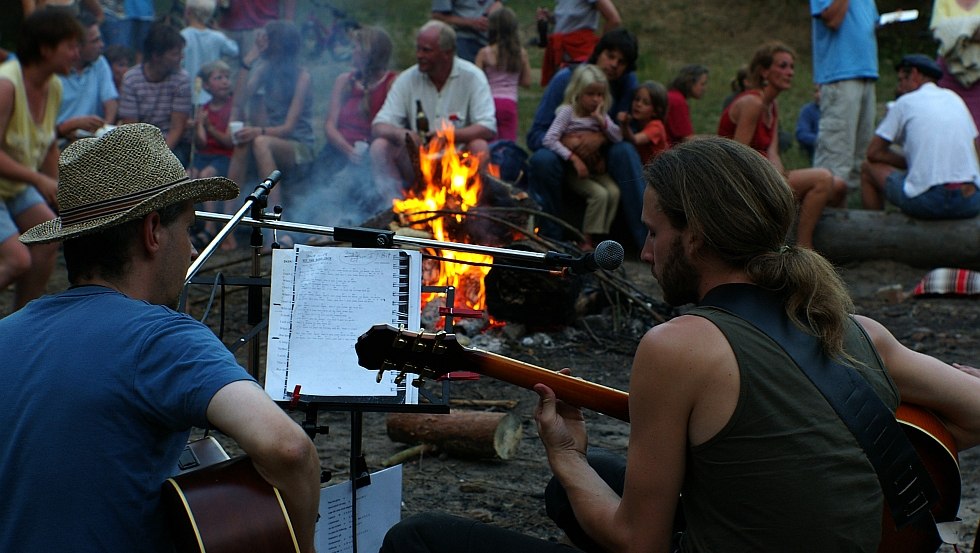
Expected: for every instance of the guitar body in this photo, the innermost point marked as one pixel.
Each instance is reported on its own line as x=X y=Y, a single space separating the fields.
x=227 y=508
x=385 y=347
x=935 y=446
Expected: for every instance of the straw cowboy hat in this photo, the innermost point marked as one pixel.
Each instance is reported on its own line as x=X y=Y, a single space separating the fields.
x=118 y=177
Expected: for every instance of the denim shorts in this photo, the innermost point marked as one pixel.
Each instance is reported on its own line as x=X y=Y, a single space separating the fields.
x=13 y=207
x=218 y=161
x=939 y=202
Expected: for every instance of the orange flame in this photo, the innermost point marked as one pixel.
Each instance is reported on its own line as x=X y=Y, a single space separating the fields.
x=452 y=183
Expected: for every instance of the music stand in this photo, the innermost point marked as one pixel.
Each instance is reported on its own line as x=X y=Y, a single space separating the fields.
x=312 y=406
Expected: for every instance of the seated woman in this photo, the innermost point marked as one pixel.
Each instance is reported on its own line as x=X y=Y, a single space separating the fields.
x=753 y=119
x=30 y=93
x=276 y=99
x=691 y=82
x=356 y=98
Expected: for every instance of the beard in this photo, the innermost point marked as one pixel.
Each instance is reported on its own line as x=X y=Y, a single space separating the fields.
x=679 y=279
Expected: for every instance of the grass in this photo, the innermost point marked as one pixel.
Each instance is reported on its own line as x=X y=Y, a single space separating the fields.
x=720 y=34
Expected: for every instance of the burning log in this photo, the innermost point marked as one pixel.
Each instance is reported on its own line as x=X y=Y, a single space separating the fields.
x=465 y=434
x=533 y=298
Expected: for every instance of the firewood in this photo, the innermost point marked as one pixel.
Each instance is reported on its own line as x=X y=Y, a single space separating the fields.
x=464 y=434
x=410 y=453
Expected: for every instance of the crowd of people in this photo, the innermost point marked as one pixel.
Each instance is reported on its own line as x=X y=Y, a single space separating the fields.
x=470 y=66
x=105 y=158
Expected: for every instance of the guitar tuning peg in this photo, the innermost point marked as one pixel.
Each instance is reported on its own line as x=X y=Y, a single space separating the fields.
x=438 y=346
x=400 y=378
x=418 y=382
x=400 y=342
x=378 y=378
x=418 y=344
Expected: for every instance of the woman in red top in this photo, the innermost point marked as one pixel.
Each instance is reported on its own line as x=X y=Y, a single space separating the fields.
x=753 y=119
x=358 y=95
x=691 y=82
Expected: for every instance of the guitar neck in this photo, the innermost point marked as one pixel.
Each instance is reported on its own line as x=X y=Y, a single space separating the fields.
x=569 y=389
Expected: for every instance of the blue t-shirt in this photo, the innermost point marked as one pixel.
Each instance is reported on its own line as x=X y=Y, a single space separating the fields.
x=554 y=94
x=850 y=52
x=101 y=392
x=84 y=92
x=807 y=126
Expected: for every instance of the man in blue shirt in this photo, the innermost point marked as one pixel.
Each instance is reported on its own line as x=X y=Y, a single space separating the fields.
x=469 y=19
x=110 y=379
x=615 y=55
x=845 y=66
x=89 y=98
x=808 y=125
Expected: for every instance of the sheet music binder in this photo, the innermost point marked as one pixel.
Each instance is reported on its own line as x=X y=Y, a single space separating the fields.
x=322 y=299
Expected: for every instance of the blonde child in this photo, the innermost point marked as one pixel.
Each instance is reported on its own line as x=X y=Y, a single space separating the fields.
x=212 y=138
x=506 y=64
x=583 y=111
x=643 y=125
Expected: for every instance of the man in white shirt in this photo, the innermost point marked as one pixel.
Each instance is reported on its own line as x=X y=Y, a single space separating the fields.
x=451 y=91
x=936 y=174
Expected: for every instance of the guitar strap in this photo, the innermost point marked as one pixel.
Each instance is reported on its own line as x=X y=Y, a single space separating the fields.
x=905 y=483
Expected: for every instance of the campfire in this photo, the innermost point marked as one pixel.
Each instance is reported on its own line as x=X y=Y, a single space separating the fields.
x=450 y=185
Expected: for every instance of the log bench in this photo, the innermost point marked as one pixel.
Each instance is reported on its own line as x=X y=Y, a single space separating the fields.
x=849 y=235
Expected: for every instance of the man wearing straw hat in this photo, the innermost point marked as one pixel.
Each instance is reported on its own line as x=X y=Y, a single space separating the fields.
x=106 y=379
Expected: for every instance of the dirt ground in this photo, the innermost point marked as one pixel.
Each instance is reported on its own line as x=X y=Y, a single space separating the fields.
x=599 y=348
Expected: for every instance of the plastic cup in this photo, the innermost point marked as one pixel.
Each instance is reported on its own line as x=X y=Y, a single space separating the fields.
x=233 y=128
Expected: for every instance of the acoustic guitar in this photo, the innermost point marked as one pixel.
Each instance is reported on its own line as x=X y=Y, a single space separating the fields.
x=225 y=507
x=432 y=356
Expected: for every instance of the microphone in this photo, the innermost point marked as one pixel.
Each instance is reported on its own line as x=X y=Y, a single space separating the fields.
x=265 y=186
x=608 y=255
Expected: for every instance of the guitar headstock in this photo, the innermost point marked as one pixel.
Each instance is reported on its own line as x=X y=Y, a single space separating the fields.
x=387 y=348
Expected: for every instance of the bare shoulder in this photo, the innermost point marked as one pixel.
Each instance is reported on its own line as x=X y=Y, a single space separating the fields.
x=746 y=104
x=685 y=345
x=881 y=337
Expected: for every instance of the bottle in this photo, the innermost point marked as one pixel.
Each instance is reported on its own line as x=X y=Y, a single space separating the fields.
x=421 y=122
x=543 y=33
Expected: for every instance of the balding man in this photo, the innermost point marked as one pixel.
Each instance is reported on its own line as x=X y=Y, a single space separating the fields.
x=451 y=92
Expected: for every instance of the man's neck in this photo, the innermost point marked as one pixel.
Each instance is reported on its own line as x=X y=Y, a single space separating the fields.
x=124 y=286
x=154 y=72
x=82 y=65
x=722 y=275
x=440 y=77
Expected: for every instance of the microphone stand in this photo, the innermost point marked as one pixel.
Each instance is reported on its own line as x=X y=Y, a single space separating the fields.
x=374 y=238
x=254 y=203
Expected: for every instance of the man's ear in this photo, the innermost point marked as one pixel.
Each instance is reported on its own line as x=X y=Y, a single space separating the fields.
x=150 y=233
x=693 y=242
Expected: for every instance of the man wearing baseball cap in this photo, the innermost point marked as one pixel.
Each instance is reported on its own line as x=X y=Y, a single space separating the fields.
x=106 y=380
x=936 y=174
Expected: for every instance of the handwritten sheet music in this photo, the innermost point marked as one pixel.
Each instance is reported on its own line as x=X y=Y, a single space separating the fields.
x=322 y=300
x=378 y=509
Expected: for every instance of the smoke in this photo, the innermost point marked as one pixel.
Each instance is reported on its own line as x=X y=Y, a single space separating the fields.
x=334 y=194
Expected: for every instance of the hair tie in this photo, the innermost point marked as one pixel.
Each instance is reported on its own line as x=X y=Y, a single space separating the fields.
x=783 y=249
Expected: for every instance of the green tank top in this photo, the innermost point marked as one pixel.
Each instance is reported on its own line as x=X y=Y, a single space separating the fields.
x=785 y=474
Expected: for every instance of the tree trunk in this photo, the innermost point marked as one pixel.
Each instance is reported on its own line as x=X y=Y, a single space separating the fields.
x=465 y=434
x=846 y=235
